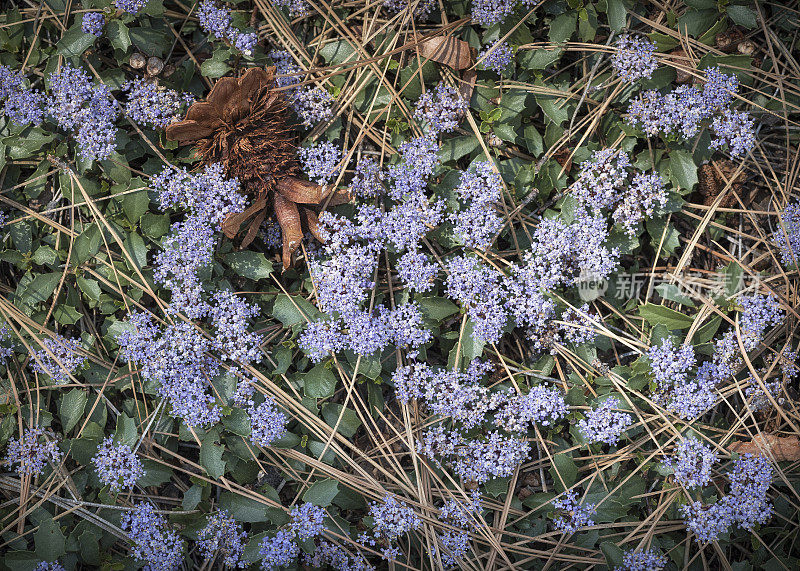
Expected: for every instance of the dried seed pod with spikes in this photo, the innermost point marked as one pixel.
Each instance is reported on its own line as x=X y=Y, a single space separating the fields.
x=244 y=125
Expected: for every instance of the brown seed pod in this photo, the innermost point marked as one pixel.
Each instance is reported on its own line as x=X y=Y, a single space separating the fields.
x=747 y=47
x=137 y=61
x=154 y=66
x=728 y=40
x=682 y=60
x=244 y=125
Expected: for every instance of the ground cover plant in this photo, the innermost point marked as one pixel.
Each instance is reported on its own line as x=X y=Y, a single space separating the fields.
x=399 y=284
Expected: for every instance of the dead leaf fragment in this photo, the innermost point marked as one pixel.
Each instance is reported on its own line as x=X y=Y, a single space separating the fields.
x=447 y=50
x=781 y=448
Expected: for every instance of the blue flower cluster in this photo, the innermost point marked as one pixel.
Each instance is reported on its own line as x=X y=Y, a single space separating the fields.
x=321 y=162
x=130 y=6
x=93 y=23
x=88 y=109
x=367 y=179
x=151 y=104
x=683 y=110
x=604 y=183
x=223 y=536
x=154 y=542
x=117 y=465
x=604 y=424
x=295 y=7
x=177 y=360
x=218 y=21
x=460 y=515
x=267 y=423
x=280 y=550
x=230 y=316
x=647 y=560
x=469 y=404
x=311 y=103
x=633 y=58
x=60 y=358
x=33 y=451
x=441 y=109
x=477 y=225
x=490 y=12
x=757 y=397
x=572 y=515
x=422 y=8
x=758 y=313
x=189 y=248
x=745 y=505
x=692 y=462
x=788 y=236
x=391 y=520
x=53 y=566
x=496 y=57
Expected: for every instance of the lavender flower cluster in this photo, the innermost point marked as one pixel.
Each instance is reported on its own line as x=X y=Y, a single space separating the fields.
x=34 y=449
x=281 y=550
x=745 y=505
x=154 y=542
x=442 y=109
x=633 y=58
x=223 y=536
x=210 y=198
x=321 y=161
x=391 y=520
x=311 y=103
x=60 y=358
x=788 y=236
x=88 y=109
x=683 y=110
x=422 y=8
x=469 y=404
x=336 y=557
x=93 y=23
x=22 y=105
x=295 y=7
x=117 y=465
x=572 y=515
x=177 y=360
x=496 y=57
x=477 y=225
x=218 y=21
x=692 y=462
x=130 y=6
x=604 y=424
x=604 y=183
x=458 y=514
x=647 y=560
x=151 y=104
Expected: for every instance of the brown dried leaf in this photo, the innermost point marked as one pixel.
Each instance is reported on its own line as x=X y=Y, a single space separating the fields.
x=222 y=92
x=447 y=50
x=187 y=131
x=311 y=222
x=781 y=448
x=302 y=191
x=231 y=224
x=289 y=219
x=467 y=85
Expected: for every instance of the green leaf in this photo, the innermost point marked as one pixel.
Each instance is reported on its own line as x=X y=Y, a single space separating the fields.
x=454 y=148
x=322 y=492
x=617 y=15
x=126 y=432
x=437 y=308
x=655 y=314
x=117 y=33
x=613 y=554
x=563 y=468
x=90 y=287
x=71 y=408
x=155 y=474
x=293 y=310
x=672 y=292
x=562 y=27
x=211 y=455
x=74 y=41
x=66 y=314
x=192 y=497
x=743 y=16
x=683 y=171
x=554 y=109
x=50 y=541
x=248 y=264
x=320 y=382
x=243 y=509
x=135 y=205
x=134 y=244
x=214 y=68
x=349 y=422
x=337 y=52
x=540 y=58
